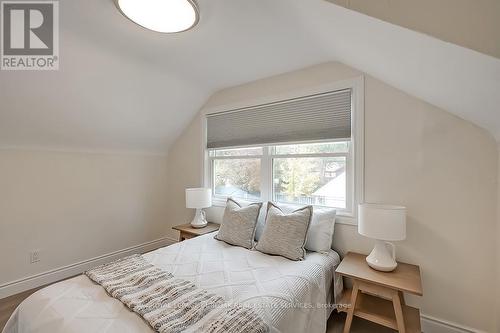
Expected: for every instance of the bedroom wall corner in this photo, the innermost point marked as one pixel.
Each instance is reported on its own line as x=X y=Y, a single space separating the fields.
x=185 y=160
x=76 y=208
x=415 y=154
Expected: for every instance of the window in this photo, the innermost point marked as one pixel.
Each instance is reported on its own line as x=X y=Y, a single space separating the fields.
x=297 y=150
x=237 y=173
x=316 y=173
x=313 y=174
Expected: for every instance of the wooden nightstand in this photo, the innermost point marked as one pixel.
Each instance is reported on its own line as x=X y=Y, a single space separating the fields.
x=187 y=231
x=378 y=296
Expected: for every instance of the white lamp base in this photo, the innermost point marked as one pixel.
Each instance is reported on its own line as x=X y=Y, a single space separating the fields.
x=199 y=220
x=381 y=258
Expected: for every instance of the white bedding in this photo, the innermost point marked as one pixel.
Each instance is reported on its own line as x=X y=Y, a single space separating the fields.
x=239 y=275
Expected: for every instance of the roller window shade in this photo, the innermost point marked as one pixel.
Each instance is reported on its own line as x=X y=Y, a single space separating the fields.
x=317 y=117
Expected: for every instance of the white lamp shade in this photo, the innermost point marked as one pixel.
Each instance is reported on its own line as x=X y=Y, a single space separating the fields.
x=383 y=222
x=198 y=197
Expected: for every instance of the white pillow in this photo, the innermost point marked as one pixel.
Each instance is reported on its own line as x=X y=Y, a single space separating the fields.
x=261 y=221
x=320 y=234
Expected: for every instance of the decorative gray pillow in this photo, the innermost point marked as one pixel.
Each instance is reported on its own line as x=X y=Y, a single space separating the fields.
x=239 y=223
x=285 y=234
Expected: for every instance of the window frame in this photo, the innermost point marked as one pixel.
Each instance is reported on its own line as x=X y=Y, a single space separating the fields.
x=355 y=161
x=267 y=172
x=220 y=200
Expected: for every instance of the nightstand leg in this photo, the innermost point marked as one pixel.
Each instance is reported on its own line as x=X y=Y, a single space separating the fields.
x=398 y=310
x=401 y=298
x=350 y=311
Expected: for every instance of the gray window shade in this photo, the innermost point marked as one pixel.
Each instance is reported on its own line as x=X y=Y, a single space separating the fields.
x=316 y=117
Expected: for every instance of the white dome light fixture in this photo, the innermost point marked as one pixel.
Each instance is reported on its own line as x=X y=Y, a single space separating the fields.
x=166 y=16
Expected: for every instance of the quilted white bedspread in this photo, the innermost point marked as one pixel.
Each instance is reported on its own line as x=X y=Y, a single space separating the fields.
x=286 y=293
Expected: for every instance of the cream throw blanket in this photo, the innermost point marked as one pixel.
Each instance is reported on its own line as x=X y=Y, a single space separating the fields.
x=169 y=304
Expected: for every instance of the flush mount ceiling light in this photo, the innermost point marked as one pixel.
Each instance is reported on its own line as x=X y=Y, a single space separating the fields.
x=165 y=16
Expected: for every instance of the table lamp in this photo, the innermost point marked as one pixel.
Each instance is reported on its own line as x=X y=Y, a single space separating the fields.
x=198 y=198
x=383 y=223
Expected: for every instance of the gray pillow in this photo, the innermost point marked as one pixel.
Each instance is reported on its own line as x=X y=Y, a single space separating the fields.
x=285 y=234
x=239 y=223
x=285 y=208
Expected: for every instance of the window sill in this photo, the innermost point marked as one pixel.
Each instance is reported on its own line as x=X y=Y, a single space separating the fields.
x=346 y=219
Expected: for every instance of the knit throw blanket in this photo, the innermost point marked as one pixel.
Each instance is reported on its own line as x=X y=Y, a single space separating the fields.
x=169 y=304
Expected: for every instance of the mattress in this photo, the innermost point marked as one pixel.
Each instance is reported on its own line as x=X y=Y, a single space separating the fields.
x=291 y=296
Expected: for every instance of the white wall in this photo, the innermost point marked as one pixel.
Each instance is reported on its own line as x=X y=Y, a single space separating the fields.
x=498 y=247
x=473 y=24
x=441 y=167
x=76 y=206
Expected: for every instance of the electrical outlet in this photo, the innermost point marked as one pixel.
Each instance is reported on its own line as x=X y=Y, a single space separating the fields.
x=34 y=256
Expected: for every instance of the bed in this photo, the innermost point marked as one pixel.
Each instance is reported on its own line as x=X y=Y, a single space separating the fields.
x=291 y=296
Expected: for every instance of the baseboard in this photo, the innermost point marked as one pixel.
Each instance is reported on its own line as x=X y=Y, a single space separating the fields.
x=434 y=325
x=34 y=281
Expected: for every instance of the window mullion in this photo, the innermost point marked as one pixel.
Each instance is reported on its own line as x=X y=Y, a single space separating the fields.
x=266 y=175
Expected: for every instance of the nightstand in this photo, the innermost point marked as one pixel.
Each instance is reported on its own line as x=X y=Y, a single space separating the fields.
x=187 y=231
x=378 y=296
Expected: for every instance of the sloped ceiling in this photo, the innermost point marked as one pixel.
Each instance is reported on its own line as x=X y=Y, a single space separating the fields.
x=473 y=24
x=121 y=87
